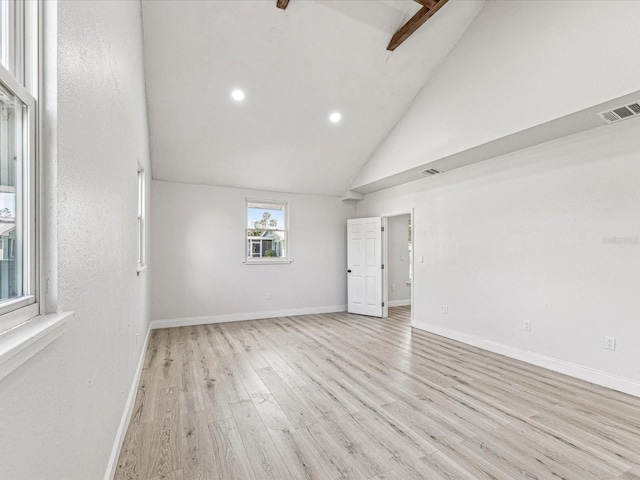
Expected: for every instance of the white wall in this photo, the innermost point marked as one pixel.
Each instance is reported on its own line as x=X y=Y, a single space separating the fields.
x=199 y=248
x=528 y=236
x=519 y=65
x=398 y=261
x=59 y=412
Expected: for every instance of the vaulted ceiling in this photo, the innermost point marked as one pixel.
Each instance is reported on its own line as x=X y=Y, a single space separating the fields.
x=296 y=67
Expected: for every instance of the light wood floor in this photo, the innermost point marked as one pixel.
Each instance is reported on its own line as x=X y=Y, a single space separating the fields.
x=340 y=396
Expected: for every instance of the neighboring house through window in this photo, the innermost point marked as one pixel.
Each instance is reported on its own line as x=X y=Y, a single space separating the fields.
x=267 y=231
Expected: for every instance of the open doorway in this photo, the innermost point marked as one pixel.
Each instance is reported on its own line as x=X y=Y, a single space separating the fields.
x=397 y=247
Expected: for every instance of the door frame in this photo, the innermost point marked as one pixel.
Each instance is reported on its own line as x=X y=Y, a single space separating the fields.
x=385 y=258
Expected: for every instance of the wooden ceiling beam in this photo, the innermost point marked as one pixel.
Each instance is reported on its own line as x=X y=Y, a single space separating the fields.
x=415 y=22
x=282 y=4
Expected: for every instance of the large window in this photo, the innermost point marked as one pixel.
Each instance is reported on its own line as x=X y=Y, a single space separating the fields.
x=18 y=63
x=267 y=231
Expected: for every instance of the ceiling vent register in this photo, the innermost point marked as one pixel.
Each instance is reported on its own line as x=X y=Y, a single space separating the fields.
x=621 y=113
x=429 y=172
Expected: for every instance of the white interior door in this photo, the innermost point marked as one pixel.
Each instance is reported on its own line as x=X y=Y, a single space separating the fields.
x=364 y=266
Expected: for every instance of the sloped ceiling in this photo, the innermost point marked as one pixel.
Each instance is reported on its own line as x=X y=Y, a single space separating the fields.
x=524 y=73
x=296 y=66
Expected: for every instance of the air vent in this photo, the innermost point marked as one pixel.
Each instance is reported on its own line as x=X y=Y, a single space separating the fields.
x=621 y=113
x=430 y=172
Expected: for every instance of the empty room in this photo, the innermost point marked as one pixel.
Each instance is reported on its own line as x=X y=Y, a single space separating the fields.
x=319 y=239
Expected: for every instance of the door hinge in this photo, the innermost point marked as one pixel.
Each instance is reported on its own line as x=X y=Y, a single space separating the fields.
x=382 y=266
x=382 y=229
x=383 y=304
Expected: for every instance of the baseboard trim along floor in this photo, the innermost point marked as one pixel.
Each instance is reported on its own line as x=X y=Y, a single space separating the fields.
x=598 y=377
x=128 y=411
x=237 y=317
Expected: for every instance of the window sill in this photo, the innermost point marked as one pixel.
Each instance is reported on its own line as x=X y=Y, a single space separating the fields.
x=24 y=341
x=267 y=262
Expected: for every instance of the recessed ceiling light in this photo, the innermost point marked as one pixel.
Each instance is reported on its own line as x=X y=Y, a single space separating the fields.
x=335 y=117
x=237 y=95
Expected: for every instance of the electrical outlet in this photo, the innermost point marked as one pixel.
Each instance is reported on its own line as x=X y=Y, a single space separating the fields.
x=610 y=343
x=445 y=309
x=393 y=288
x=268 y=296
x=421 y=259
x=527 y=325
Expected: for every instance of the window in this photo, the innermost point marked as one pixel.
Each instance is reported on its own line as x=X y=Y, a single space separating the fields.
x=18 y=41
x=141 y=219
x=410 y=253
x=29 y=315
x=17 y=160
x=267 y=232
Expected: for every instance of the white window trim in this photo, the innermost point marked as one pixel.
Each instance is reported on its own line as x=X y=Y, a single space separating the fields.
x=23 y=342
x=30 y=261
x=268 y=260
x=142 y=220
x=37 y=325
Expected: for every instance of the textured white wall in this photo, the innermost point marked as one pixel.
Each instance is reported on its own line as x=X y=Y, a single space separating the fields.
x=398 y=242
x=198 y=252
x=60 y=411
x=520 y=64
x=549 y=234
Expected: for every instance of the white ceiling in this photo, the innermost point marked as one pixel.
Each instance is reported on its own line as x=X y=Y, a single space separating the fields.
x=296 y=67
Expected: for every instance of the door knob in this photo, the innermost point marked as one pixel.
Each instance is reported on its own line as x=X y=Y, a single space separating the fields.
x=348 y=271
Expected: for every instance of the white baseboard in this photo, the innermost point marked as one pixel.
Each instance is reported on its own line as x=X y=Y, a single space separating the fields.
x=598 y=377
x=126 y=414
x=237 y=317
x=399 y=303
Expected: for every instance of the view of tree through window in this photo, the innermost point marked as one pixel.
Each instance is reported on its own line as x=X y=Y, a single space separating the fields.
x=266 y=230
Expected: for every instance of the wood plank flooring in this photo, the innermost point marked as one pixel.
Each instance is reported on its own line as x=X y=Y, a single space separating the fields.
x=341 y=396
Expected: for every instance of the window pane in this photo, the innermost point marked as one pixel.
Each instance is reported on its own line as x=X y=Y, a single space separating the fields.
x=410 y=252
x=265 y=218
x=140 y=233
x=266 y=229
x=12 y=118
x=141 y=218
x=4 y=34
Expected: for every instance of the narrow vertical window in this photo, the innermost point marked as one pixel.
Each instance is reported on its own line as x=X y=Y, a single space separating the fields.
x=410 y=234
x=141 y=219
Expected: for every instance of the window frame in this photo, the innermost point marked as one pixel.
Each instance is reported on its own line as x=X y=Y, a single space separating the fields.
x=29 y=201
x=141 y=263
x=21 y=54
x=284 y=206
